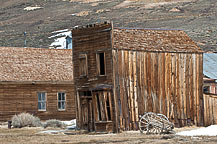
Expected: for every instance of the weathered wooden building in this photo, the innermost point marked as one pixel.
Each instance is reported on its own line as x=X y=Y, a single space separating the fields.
x=120 y=73
x=210 y=73
x=37 y=81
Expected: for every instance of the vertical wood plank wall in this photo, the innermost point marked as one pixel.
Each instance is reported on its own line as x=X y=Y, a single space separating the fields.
x=168 y=83
x=210 y=109
x=18 y=98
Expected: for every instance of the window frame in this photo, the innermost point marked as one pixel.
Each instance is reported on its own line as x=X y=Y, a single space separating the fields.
x=98 y=63
x=61 y=101
x=83 y=56
x=42 y=101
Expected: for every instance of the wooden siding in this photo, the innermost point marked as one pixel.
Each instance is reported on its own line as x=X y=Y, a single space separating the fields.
x=90 y=41
x=210 y=109
x=168 y=83
x=17 y=98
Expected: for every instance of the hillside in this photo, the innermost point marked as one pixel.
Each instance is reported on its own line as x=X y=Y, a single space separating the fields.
x=39 y=18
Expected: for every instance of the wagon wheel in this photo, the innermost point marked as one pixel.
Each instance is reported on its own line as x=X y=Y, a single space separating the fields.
x=163 y=117
x=149 y=122
x=168 y=126
x=143 y=123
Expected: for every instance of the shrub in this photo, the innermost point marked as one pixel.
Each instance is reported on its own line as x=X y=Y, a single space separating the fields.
x=54 y=123
x=25 y=119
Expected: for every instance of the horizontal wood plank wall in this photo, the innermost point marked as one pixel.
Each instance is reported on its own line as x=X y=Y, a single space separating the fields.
x=210 y=109
x=18 y=98
x=90 y=41
x=167 y=83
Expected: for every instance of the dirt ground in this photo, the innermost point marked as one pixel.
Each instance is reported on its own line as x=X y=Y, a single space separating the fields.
x=39 y=18
x=34 y=135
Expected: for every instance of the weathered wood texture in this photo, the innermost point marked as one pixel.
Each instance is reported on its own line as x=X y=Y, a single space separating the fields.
x=167 y=83
x=90 y=41
x=18 y=98
x=210 y=109
x=148 y=70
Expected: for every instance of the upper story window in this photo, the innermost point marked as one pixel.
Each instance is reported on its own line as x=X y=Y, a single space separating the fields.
x=61 y=101
x=83 y=65
x=41 y=101
x=100 y=59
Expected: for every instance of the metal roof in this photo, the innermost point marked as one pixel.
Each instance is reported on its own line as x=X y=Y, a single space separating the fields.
x=210 y=65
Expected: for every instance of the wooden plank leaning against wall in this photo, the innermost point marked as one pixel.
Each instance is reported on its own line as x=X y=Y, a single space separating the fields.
x=160 y=82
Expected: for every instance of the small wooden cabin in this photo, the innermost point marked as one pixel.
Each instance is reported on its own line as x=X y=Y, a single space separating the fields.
x=37 y=81
x=120 y=73
x=209 y=85
x=210 y=73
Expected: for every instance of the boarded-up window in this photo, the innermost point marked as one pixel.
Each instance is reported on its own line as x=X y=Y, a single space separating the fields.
x=61 y=101
x=83 y=65
x=102 y=106
x=100 y=58
x=41 y=101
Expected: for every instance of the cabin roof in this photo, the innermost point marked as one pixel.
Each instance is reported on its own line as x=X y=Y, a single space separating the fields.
x=35 y=64
x=154 y=40
x=210 y=65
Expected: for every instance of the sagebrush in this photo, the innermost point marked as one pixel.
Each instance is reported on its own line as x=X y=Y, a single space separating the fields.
x=24 y=120
x=54 y=123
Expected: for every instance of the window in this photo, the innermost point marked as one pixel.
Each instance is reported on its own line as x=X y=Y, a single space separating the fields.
x=41 y=101
x=102 y=108
x=100 y=58
x=83 y=65
x=61 y=101
x=206 y=89
x=215 y=89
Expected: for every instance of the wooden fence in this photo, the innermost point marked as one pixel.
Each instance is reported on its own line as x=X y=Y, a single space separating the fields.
x=210 y=109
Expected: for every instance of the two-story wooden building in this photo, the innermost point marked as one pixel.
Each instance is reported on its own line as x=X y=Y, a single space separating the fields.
x=37 y=81
x=120 y=73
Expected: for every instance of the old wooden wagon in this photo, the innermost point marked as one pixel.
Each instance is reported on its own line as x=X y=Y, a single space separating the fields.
x=37 y=81
x=120 y=73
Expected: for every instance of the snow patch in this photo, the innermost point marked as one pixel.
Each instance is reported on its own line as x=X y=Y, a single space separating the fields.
x=71 y=125
x=60 y=38
x=207 y=131
x=59 y=31
x=52 y=131
x=71 y=122
x=32 y=8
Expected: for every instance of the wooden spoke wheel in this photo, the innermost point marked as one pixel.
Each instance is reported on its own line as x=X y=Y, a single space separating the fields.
x=143 y=124
x=154 y=123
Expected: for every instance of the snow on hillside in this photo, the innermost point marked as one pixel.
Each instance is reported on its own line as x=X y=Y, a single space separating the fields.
x=60 y=38
x=207 y=131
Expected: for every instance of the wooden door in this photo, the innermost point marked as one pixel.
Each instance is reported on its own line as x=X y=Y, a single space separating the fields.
x=87 y=114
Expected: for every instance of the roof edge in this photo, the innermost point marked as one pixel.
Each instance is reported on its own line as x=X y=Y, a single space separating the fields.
x=36 y=82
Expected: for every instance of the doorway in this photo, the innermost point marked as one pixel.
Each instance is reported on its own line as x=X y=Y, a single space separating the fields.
x=87 y=118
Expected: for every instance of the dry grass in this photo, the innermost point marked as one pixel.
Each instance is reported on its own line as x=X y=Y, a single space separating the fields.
x=25 y=119
x=33 y=135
